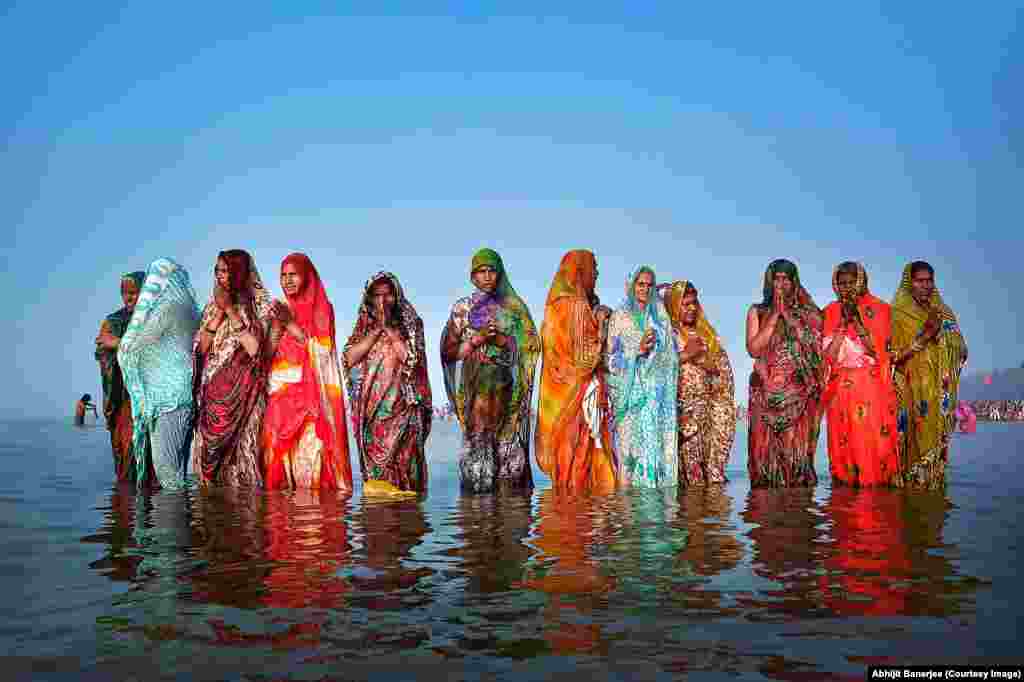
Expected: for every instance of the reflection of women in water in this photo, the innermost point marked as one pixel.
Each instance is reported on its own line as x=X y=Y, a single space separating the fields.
x=117 y=409
x=390 y=530
x=489 y=351
x=493 y=550
x=117 y=535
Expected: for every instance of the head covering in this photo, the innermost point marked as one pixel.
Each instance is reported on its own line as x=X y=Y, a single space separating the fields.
x=904 y=305
x=246 y=285
x=652 y=311
x=860 y=285
x=310 y=307
x=155 y=351
x=786 y=267
x=576 y=276
x=673 y=297
x=137 y=277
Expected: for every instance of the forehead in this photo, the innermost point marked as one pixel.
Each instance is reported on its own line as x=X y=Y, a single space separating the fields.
x=129 y=284
x=381 y=288
x=689 y=297
x=645 y=277
x=782 y=274
x=921 y=275
x=846 y=277
x=291 y=268
x=484 y=268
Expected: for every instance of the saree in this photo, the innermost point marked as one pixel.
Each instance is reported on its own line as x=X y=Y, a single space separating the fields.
x=305 y=437
x=927 y=384
x=230 y=385
x=785 y=391
x=642 y=390
x=156 y=359
x=492 y=387
x=863 y=443
x=573 y=442
x=117 y=409
x=390 y=399
x=706 y=404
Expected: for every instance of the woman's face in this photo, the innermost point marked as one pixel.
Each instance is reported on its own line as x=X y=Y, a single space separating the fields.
x=688 y=309
x=782 y=282
x=291 y=280
x=846 y=284
x=642 y=287
x=222 y=273
x=485 y=278
x=129 y=293
x=922 y=284
x=382 y=293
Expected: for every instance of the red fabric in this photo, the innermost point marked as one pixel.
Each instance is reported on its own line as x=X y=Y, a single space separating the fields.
x=238 y=270
x=293 y=406
x=863 y=442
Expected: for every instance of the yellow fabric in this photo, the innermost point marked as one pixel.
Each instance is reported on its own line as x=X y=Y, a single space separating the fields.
x=707 y=333
x=384 y=488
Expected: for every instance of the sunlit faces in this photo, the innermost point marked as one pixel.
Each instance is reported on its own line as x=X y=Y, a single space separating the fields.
x=129 y=293
x=784 y=283
x=642 y=287
x=222 y=273
x=291 y=280
x=382 y=294
x=922 y=284
x=688 y=308
x=485 y=278
x=846 y=284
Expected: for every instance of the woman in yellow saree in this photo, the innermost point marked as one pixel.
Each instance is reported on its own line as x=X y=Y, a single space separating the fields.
x=573 y=443
x=929 y=353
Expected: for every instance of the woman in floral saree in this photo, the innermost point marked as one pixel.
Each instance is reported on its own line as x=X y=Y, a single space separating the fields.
x=117 y=407
x=706 y=404
x=305 y=437
x=929 y=353
x=386 y=363
x=573 y=441
x=156 y=359
x=863 y=444
x=231 y=379
x=643 y=373
x=784 y=338
x=489 y=352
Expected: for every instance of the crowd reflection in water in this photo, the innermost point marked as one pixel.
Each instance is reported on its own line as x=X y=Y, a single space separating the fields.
x=492 y=530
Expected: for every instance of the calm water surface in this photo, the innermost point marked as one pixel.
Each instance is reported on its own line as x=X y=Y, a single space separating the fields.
x=103 y=583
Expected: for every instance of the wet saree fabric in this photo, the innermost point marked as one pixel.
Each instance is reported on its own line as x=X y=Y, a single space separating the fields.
x=785 y=392
x=573 y=441
x=117 y=409
x=305 y=437
x=230 y=391
x=156 y=359
x=390 y=398
x=927 y=384
x=492 y=387
x=706 y=405
x=642 y=390
x=863 y=443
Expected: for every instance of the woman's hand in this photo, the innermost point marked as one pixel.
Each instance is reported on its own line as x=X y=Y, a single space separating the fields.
x=931 y=326
x=281 y=312
x=296 y=332
x=493 y=336
x=647 y=342
x=694 y=348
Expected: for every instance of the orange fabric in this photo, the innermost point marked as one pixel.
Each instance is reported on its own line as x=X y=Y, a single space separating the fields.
x=863 y=441
x=314 y=398
x=571 y=337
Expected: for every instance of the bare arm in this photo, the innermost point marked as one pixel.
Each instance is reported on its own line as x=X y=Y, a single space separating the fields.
x=355 y=353
x=757 y=335
x=209 y=330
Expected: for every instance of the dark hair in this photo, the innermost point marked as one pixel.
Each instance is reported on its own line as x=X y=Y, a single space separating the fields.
x=919 y=265
x=690 y=289
x=847 y=267
x=86 y=398
x=239 y=264
x=394 y=314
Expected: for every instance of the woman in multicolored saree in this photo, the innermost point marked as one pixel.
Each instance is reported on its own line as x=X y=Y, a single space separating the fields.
x=489 y=352
x=643 y=372
x=156 y=359
x=863 y=444
x=117 y=407
x=231 y=378
x=386 y=363
x=784 y=338
x=706 y=404
x=573 y=444
x=929 y=353
x=305 y=437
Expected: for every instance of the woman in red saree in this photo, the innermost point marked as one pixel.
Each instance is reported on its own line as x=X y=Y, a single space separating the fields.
x=784 y=338
x=863 y=441
x=305 y=438
x=386 y=364
x=231 y=378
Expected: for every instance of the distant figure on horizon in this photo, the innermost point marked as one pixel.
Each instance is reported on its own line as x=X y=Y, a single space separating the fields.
x=966 y=419
x=784 y=338
x=83 y=405
x=117 y=404
x=929 y=354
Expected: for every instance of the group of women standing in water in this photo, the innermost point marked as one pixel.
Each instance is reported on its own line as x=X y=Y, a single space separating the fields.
x=250 y=389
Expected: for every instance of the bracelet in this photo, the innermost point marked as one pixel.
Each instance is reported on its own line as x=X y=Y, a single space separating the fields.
x=210 y=331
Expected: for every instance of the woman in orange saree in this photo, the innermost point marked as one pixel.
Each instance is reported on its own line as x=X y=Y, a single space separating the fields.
x=305 y=438
x=573 y=443
x=863 y=441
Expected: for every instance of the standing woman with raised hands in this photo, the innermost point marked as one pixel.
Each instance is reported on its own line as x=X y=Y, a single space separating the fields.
x=489 y=351
x=389 y=392
x=155 y=355
x=643 y=372
x=231 y=377
x=305 y=437
x=117 y=408
x=784 y=338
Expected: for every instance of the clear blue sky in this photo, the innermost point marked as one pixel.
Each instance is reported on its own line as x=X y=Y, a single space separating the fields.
x=704 y=139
